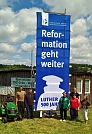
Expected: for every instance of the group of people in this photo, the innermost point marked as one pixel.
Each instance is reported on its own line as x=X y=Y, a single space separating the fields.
x=23 y=100
x=72 y=103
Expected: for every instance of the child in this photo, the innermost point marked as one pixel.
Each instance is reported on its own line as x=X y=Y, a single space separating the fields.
x=64 y=104
x=84 y=105
x=74 y=104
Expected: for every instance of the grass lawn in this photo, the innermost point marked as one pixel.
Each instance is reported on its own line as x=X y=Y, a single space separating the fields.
x=48 y=126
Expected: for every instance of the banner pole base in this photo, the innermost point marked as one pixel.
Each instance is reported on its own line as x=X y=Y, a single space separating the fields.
x=40 y=114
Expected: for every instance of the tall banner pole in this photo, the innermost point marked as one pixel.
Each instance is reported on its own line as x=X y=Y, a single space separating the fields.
x=52 y=59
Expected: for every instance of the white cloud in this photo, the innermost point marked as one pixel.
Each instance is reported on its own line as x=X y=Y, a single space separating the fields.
x=89 y=21
x=16 y=26
x=27 y=47
x=79 y=27
x=6 y=48
x=79 y=41
x=7 y=61
x=4 y=56
x=17 y=57
x=76 y=8
x=81 y=16
x=81 y=50
x=3 y=3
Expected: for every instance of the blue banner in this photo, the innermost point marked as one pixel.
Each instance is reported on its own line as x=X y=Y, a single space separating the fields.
x=52 y=59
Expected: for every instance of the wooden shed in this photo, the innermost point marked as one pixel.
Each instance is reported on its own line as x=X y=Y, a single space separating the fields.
x=82 y=81
x=5 y=79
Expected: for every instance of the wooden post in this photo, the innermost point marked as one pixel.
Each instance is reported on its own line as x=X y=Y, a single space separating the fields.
x=40 y=114
x=54 y=12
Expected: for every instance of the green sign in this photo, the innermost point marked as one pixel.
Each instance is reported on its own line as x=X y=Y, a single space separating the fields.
x=24 y=82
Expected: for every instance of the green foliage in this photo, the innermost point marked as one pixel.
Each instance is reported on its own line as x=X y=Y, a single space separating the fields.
x=80 y=67
x=75 y=67
x=14 y=67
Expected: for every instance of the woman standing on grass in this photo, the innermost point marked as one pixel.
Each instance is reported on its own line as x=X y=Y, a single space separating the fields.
x=64 y=104
x=74 y=104
x=84 y=105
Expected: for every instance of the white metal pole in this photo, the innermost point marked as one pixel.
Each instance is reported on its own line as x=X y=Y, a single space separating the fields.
x=40 y=114
x=31 y=64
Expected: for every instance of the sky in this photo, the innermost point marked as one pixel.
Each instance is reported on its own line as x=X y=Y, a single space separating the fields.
x=18 y=29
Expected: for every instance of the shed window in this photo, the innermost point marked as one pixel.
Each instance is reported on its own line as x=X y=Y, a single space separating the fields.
x=79 y=86
x=87 y=85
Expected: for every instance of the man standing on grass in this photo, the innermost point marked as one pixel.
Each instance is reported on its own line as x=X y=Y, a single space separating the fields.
x=64 y=104
x=29 y=102
x=20 y=95
x=77 y=96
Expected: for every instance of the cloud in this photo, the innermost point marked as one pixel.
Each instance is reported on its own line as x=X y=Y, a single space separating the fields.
x=19 y=62
x=17 y=57
x=7 y=62
x=81 y=18
x=27 y=47
x=15 y=26
x=6 y=48
x=79 y=41
x=4 y=56
x=89 y=21
x=81 y=50
x=76 y=8
x=9 y=54
x=79 y=27
x=3 y=3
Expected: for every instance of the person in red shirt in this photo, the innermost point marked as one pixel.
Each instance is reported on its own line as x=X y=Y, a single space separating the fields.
x=74 y=104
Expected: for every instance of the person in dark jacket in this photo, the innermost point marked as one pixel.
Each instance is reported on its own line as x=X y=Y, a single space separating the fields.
x=9 y=98
x=64 y=104
x=75 y=93
x=84 y=105
x=29 y=103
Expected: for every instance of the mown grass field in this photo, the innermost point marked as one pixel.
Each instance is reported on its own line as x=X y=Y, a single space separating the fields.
x=48 y=126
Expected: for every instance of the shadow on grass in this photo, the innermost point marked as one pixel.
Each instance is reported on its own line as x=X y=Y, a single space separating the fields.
x=77 y=120
x=68 y=119
x=37 y=115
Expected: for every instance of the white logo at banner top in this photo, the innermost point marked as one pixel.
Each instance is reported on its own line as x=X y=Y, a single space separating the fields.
x=45 y=19
x=52 y=93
